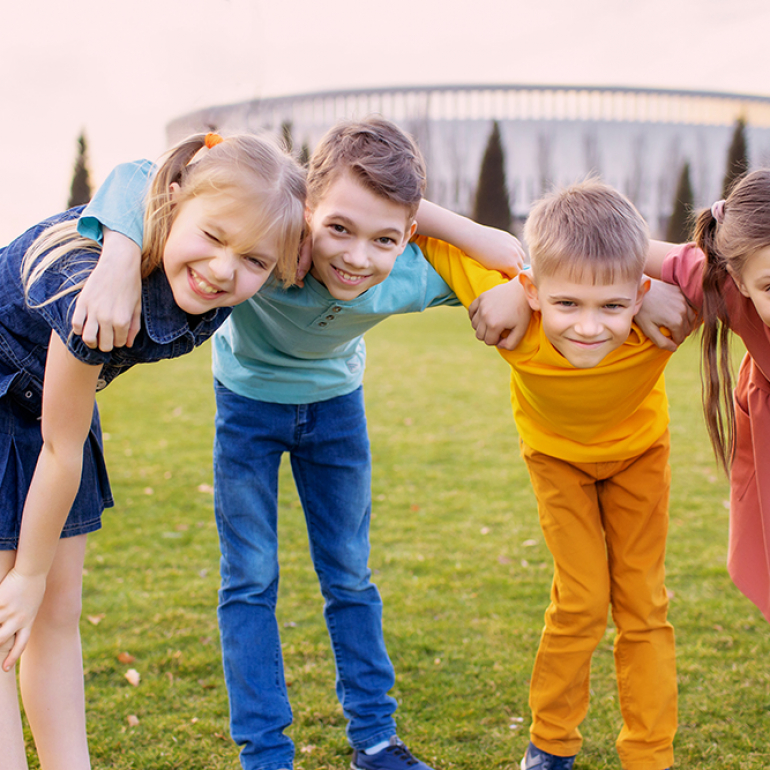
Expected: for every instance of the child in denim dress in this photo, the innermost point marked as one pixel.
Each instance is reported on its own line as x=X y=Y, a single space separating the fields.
x=221 y=216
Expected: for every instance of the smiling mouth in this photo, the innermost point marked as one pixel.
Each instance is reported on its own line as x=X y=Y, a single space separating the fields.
x=586 y=344
x=201 y=286
x=350 y=278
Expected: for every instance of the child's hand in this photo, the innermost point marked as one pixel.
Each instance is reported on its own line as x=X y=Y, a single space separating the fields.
x=496 y=249
x=20 y=599
x=501 y=315
x=665 y=306
x=108 y=312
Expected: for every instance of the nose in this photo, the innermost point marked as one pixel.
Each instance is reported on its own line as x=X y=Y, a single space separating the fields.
x=356 y=255
x=223 y=265
x=588 y=324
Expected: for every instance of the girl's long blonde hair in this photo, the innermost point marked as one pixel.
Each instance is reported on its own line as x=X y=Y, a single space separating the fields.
x=744 y=229
x=250 y=169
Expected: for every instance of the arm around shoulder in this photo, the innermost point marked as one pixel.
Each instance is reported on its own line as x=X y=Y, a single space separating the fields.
x=108 y=311
x=490 y=247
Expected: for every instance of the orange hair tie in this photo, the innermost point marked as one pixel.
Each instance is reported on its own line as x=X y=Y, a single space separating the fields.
x=212 y=140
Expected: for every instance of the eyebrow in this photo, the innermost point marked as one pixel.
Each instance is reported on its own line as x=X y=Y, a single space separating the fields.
x=349 y=222
x=573 y=298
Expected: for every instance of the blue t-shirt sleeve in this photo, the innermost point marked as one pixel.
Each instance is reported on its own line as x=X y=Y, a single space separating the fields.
x=438 y=291
x=119 y=203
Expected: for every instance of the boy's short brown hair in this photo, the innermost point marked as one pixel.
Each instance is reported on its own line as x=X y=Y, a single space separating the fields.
x=381 y=156
x=587 y=229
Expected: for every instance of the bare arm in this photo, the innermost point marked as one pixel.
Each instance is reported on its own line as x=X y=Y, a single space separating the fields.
x=108 y=311
x=655 y=256
x=489 y=246
x=664 y=306
x=68 y=402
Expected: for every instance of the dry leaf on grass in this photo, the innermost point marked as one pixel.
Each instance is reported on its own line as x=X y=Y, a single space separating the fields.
x=125 y=658
x=94 y=620
x=133 y=720
x=132 y=677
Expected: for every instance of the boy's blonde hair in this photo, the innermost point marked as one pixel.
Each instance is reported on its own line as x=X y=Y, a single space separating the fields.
x=382 y=157
x=587 y=230
x=252 y=170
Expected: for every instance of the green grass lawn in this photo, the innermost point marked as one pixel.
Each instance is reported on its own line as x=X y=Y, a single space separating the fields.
x=457 y=554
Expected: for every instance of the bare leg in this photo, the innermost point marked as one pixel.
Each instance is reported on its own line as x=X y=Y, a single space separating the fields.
x=51 y=674
x=14 y=753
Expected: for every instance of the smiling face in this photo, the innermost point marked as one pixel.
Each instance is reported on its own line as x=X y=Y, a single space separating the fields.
x=356 y=237
x=754 y=282
x=214 y=256
x=585 y=322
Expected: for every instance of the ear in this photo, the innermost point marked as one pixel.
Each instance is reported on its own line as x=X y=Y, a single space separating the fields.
x=410 y=231
x=174 y=190
x=738 y=282
x=308 y=215
x=644 y=287
x=530 y=290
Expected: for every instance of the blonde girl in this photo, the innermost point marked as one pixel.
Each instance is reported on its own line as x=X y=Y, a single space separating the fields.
x=222 y=216
x=725 y=274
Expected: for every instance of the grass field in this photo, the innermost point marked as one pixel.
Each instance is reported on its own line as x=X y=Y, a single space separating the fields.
x=457 y=554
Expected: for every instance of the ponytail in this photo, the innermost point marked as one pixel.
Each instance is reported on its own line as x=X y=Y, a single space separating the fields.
x=158 y=215
x=716 y=367
x=728 y=234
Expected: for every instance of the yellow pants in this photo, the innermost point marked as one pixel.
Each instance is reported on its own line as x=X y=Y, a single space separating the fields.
x=605 y=525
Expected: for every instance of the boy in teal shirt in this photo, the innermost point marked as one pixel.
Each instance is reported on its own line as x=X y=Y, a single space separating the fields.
x=289 y=365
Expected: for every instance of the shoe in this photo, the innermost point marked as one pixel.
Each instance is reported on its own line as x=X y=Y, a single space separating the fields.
x=394 y=757
x=535 y=759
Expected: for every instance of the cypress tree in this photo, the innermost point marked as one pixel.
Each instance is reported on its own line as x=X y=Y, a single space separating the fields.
x=286 y=136
x=737 y=158
x=304 y=155
x=80 y=189
x=680 y=223
x=492 y=205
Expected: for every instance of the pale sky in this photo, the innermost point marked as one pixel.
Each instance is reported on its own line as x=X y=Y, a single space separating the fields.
x=122 y=70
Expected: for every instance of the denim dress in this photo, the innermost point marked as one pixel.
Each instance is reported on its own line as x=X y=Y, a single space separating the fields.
x=25 y=331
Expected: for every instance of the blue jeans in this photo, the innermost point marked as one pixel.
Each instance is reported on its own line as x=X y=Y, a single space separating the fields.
x=331 y=463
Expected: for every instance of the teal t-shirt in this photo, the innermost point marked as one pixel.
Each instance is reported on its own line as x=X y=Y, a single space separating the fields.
x=285 y=346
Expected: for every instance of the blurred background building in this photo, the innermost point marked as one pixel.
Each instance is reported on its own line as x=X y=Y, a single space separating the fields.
x=646 y=142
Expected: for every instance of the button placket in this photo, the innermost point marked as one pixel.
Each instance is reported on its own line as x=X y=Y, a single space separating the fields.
x=330 y=315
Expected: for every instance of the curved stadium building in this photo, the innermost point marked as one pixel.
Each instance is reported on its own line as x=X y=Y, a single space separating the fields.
x=636 y=139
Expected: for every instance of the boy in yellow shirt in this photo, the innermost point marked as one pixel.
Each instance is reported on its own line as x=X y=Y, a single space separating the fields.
x=590 y=407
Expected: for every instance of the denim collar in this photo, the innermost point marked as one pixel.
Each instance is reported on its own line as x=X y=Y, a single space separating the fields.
x=163 y=319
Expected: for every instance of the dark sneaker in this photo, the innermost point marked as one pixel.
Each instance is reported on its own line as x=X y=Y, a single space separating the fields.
x=535 y=759
x=395 y=757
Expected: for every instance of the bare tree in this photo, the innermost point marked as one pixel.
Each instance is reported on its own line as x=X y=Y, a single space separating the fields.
x=80 y=189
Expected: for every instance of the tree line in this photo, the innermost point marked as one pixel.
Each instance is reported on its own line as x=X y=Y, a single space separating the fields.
x=492 y=205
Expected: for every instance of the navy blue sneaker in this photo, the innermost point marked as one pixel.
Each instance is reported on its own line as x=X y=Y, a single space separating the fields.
x=394 y=757
x=535 y=759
